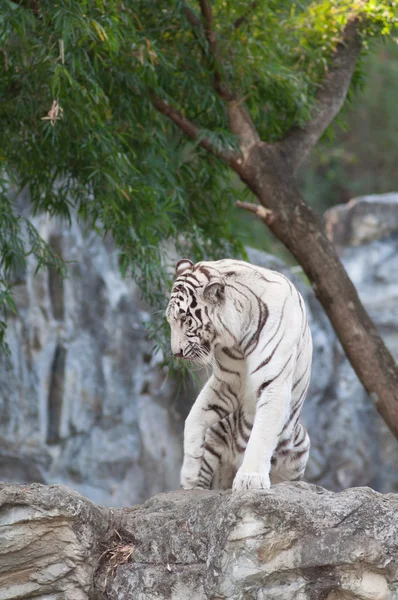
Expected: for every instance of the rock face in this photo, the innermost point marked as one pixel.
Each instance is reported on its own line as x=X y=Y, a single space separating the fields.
x=362 y=220
x=85 y=403
x=294 y=542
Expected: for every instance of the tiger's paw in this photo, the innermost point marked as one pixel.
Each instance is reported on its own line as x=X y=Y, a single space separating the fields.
x=189 y=477
x=187 y=483
x=250 y=481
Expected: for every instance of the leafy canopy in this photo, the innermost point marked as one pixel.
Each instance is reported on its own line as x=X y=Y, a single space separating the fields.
x=79 y=128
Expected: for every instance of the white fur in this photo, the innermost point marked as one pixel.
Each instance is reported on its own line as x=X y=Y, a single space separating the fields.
x=232 y=311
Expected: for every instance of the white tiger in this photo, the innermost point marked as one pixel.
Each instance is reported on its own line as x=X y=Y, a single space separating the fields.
x=250 y=324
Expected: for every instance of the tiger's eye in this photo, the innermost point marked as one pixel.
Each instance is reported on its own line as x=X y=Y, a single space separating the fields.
x=183 y=319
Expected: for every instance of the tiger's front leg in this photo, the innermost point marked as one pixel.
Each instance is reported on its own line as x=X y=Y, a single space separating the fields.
x=272 y=409
x=210 y=407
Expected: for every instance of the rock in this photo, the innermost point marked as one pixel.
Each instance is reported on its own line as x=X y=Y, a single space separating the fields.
x=362 y=220
x=85 y=403
x=373 y=269
x=18 y=464
x=49 y=540
x=293 y=542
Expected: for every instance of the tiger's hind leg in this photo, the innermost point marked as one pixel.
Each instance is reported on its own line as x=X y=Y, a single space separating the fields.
x=291 y=456
x=216 y=460
x=224 y=446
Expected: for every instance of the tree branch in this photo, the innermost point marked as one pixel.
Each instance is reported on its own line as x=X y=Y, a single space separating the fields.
x=191 y=16
x=298 y=142
x=207 y=16
x=193 y=131
x=265 y=214
x=241 y=125
x=240 y=122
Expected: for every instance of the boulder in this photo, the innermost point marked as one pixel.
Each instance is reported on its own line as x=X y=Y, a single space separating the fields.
x=362 y=220
x=293 y=542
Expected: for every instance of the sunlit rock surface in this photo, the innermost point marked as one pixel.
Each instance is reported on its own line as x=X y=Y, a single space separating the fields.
x=293 y=542
x=85 y=403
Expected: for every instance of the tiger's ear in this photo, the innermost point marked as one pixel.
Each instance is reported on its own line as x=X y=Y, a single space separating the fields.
x=183 y=265
x=214 y=292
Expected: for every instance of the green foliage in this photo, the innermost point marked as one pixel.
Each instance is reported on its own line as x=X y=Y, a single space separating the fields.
x=78 y=126
x=18 y=240
x=362 y=155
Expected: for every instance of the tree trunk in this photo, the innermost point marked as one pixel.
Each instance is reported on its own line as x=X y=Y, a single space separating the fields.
x=298 y=227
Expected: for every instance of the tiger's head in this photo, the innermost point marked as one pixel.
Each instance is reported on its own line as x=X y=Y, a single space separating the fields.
x=195 y=297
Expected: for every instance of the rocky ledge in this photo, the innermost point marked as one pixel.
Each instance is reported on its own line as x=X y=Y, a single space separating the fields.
x=293 y=542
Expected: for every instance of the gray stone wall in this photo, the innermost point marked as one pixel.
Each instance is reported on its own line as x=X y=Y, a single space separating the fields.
x=84 y=402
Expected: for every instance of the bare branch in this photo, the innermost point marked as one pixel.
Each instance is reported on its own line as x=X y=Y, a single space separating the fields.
x=298 y=143
x=265 y=214
x=193 y=131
